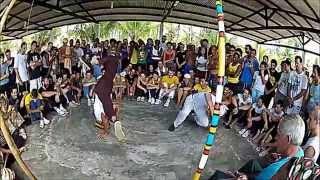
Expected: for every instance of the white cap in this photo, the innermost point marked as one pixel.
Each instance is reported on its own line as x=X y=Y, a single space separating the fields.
x=187 y=76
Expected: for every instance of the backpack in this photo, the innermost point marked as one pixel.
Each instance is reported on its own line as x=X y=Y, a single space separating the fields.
x=304 y=168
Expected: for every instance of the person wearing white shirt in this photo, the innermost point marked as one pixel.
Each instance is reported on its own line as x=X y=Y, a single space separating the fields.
x=298 y=85
x=260 y=78
x=199 y=103
x=312 y=146
x=20 y=66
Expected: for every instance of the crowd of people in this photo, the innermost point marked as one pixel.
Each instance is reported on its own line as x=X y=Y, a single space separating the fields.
x=257 y=94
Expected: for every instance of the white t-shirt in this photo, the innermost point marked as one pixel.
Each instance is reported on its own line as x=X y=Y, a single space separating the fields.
x=20 y=63
x=258 y=84
x=284 y=83
x=79 y=52
x=297 y=83
x=257 y=109
x=202 y=63
x=314 y=142
x=243 y=101
x=275 y=114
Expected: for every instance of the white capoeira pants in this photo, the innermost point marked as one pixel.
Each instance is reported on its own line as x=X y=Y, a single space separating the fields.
x=164 y=92
x=35 y=84
x=98 y=108
x=199 y=108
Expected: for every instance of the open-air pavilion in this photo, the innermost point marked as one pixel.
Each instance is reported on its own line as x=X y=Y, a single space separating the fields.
x=69 y=149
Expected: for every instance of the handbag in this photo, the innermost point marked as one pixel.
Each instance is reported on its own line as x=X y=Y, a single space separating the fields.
x=6 y=173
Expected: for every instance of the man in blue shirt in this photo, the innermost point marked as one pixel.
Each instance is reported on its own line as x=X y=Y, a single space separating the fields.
x=250 y=64
x=287 y=143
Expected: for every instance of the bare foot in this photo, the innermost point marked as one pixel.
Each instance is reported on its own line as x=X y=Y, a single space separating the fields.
x=102 y=134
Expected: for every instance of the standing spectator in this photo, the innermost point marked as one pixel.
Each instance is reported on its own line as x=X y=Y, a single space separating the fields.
x=65 y=56
x=20 y=66
x=190 y=59
x=78 y=54
x=12 y=73
x=312 y=147
x=124 y=54
x=180 y=57
x=156 y=56
x=142 y=57
x=213 y=65
x=314 y=91
x=35 y=65
x=271 y=85
x=148 y=50
x=249 y=65
x=46 y=59
x=298 y=85
x=283 y=84
x=202 y=63
x=260 y=78
x=169 y=84
x=163 y=44
x=169 y=56
x=233 y=72
x=4 y=76
x=133 y=53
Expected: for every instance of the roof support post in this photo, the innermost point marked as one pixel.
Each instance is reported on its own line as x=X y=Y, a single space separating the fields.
x=161 y=31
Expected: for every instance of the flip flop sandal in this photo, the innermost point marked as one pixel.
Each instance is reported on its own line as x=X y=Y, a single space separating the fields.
x=119 y=132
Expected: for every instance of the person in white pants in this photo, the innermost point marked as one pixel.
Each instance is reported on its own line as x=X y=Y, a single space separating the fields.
x=199 y=103
x=169 y=85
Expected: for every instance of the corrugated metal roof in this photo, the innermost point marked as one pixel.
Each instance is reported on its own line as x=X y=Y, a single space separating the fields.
x=258 y=20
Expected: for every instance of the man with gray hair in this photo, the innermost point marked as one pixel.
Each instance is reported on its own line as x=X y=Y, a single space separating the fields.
x=287 y=146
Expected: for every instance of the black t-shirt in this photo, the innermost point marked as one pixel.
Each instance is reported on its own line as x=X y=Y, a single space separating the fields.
x=34 y=72
x=44 y=88
x=12 y=73
x=131 y=79
x=181 y=56
x=272 y=82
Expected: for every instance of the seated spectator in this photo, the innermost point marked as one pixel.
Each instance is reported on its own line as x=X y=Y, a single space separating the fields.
x=14 y=123
x=260 y=78
x=184 y=89
x=119 y=86
x=277 y=165
x=244 y=102
x=34 y=105
x=153 y=87
x=141 y=90
x=202 y=86
x=274 y=117
x=76 y=86
x=169 y=84
x=88 y=84
x=53 y=97
x=97 y=70
x=312 y=147
x=16 y=101
x=131 y=79
x=256 y=120
x=161 y=69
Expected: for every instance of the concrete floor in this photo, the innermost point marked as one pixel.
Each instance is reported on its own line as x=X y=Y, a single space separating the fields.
x=69 y=149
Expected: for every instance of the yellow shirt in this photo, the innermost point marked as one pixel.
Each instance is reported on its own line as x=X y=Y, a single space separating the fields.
x=233 y=69
x=199 y=88
x=28 y=99
x=134 y=57
x=170 y=81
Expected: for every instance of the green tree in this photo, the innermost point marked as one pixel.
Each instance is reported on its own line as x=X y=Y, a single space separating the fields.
x=43 y=37
x=136 y=30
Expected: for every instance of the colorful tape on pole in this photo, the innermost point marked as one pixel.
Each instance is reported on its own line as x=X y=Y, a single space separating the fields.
x=219 y=93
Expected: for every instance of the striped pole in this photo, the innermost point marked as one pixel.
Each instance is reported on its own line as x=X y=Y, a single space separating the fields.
x=219 y=92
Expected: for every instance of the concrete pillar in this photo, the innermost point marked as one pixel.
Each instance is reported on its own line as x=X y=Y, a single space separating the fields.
x=161 y=31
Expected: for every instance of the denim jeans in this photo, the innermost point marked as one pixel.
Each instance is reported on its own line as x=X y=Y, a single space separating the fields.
x=256 y=94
